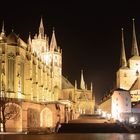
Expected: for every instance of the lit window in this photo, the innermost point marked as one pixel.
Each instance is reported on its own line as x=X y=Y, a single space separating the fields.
x=137 y=73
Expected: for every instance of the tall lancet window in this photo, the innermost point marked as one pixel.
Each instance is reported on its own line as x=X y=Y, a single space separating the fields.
x=11 y=64
x=22 y=77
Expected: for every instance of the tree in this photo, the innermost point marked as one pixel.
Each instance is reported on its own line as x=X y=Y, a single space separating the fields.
x=8 y=110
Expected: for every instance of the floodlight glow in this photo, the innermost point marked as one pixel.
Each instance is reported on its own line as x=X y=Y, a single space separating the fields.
x=132 y=120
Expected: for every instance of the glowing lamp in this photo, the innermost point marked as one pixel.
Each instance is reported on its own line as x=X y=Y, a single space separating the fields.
x=132 y=120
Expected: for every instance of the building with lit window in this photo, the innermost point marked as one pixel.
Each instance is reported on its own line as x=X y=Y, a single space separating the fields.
x=117 y=103
x=121 y=102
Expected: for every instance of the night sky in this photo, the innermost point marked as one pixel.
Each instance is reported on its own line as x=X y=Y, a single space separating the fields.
x=88 y=33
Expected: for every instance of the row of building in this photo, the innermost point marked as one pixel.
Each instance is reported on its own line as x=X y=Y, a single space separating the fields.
x=31 y=78
x=122 y=102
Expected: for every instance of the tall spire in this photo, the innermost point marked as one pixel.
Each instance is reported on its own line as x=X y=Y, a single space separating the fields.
x=135 y=51
x=3 y=27
x=53 y=44
x=123 y=62
x=2 y=34
x=41 y=28
x=47 y=43
x=82 y=84
x=2 y=30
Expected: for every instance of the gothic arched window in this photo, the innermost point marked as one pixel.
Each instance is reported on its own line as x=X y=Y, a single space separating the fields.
x=11 y=65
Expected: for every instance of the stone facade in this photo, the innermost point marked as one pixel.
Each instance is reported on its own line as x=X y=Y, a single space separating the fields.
x=31 y=74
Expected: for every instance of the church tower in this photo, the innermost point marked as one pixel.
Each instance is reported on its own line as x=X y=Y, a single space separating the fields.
x=40 y=41
x=51 y=55
x=123 y=70
x=129 y=70
x=54 y=55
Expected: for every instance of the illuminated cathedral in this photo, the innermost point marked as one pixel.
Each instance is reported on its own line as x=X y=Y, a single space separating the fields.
x=31 y=77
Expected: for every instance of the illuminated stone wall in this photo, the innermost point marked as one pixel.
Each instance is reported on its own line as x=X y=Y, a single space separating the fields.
x=32 y=74
x=30 y=71
x=106 y=105
x=119 y=102
x=33 y=116
x=128 y=75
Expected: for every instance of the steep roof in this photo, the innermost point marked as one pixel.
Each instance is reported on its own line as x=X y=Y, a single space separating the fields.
x=66 y=83
x=136 y=85
x=12 y=39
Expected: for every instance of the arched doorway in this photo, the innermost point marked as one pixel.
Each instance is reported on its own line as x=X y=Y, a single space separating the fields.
x=13 y=116
x=33 y=118
x=46 y=118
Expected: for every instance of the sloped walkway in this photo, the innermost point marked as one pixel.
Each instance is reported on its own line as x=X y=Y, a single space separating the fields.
x=91 y=124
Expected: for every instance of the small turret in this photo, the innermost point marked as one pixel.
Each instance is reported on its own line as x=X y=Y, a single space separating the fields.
x=29 y=42
x=41 y=29
x=53 y=44
x=82 y=84
x=75 y=84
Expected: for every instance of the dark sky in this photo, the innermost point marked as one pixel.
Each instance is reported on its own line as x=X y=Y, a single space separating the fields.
x=89 y=34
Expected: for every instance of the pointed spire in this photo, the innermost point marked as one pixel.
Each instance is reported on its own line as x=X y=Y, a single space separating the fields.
x=135 y=51
x=75 y=84
x=53 y=44
x=29 y=39
x=47 y=43
x=29 y=42
x=2 y=34
x=3 y=27
x=82 y=84
x=123 y=62
x=91 y=88
x=41 y=29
